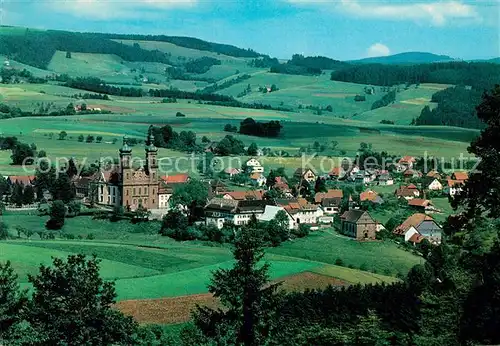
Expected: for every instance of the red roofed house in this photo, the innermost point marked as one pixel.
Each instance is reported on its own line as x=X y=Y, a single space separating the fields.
x=406 y=162
x=21 y=179
x=244 y=195
x=175 y=179
x=418 y=227
x=433 y=174
x=306 y=174
x=301 y=210
x=421 y=204
x=337 y=173
x=331 y=193
x=232 y=171
x=370 y=196
x=456 y=181
x=407 y=192
x=412 y=174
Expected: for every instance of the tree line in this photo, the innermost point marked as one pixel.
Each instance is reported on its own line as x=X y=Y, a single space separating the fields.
x=456 y=107
x=261 y=129
x=216 y=86
x=12 y=75
x=36 y=48
x=187 y=42
x=387 y=99
x=479 y=75
x=7 y=112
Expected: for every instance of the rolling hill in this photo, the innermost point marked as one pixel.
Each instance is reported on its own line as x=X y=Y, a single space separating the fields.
x=405 y=58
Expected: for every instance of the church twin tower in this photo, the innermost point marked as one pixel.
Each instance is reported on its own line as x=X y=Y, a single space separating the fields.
x=139 y=186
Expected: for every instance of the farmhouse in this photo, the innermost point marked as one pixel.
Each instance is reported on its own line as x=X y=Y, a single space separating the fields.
x=418 y=227
x=220 y=210
x=175 y=179
x=305 y=174
x=21 y=179
x=370 y=196
x=455 y=182
x=244 y=195
x=331 y=193
x=358 y=224
x=301 y=210
x=407 y=192
x=405 y=163
x=254 y=166
x=385 y=179
x=435 y=185
x=270 y=213
x=434 y=174
x=423 y=205
x=258 y=179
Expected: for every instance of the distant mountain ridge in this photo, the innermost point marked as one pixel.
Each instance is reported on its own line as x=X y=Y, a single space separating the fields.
x=405 y=58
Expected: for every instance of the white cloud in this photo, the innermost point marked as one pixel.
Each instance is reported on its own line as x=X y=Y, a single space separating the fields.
x=108 y=9
x=437 y=13
x=378 y=49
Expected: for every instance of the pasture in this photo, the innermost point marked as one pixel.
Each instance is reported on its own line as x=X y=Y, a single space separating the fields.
x=160 y=280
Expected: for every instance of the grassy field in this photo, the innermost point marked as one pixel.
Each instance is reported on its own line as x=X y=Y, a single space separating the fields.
x=146 y=265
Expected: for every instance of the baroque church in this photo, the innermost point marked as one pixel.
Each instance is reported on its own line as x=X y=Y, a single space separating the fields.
x=131 y=187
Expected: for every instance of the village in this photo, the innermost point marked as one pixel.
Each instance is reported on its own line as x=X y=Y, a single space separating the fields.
x=345 y=199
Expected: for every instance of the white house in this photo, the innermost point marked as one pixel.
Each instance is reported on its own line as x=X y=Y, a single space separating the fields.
x=221 y=210
x=270 y=212
x=254 y=166
x=435 y=185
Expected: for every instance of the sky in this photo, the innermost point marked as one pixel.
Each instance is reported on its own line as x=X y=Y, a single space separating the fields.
x=340 y=29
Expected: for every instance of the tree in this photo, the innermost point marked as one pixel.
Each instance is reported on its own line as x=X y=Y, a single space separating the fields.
x=320 y=185
x=4 y=186
x=22 y=154
x=28 y=195
x=250 y=303
x=98 y=139
x=42 y=153
x=62 y=135
x=17 y=196
x=71 y=170
x=12 y=299
x=62 y=189
x=480 y=192
x=68 y=55
x=89 y=139
x=72 y=305
x=174 y=222
x=81 y=138
x=57 y=214
x=271 y=178
x=4 y=231
x=192 y=195
x=205 y=139
x=252 y=149
x=74 y=207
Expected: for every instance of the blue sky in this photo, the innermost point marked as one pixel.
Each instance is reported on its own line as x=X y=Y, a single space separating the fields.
x=341 y=29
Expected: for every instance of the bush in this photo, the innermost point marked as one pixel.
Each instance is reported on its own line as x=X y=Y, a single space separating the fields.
x=182 y=234
x=4 y=231
x=302 y=231
x=90 y=236
x=339 y=262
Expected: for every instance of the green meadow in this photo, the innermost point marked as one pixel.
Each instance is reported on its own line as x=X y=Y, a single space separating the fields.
x=146 y=265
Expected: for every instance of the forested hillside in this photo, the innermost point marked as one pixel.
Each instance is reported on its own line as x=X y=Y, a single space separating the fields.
x=456 y=107
x=187 y=42
x=311 y=65
x=478 y=75
x=36 y=48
